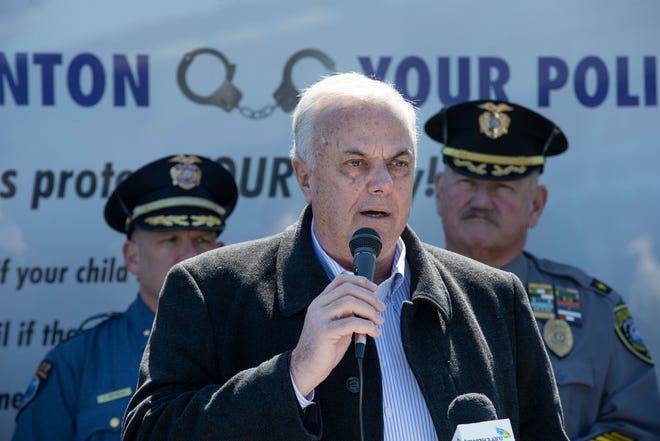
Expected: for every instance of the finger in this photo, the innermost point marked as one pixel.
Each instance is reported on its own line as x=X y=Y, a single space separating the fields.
x=347 y=326
x=361 y=281
x=353 y=287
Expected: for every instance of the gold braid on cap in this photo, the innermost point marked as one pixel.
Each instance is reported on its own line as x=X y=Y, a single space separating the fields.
x=476 y=169
x=177 y=201
x=502 y=165
x=205 y=221
x=183 y=220
x=493 y=159
x=180 y=220
x=498 y=170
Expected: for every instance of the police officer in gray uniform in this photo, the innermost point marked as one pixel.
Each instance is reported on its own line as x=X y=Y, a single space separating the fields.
x=169 y=209
x=488 y=197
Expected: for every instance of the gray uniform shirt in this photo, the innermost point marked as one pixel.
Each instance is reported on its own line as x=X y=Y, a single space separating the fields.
x=606 y=381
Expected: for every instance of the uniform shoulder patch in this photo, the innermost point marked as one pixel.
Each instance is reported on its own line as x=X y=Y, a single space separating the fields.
x=600 y=286
x=37 y=382
x=629 y=334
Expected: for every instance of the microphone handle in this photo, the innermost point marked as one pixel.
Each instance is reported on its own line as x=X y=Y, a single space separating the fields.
x=364 y=263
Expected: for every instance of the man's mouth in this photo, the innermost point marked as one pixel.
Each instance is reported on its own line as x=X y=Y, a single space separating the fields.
x=487 y=215
x=373 y=213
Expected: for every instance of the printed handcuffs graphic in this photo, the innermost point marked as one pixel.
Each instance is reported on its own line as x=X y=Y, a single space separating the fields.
x=228 y=96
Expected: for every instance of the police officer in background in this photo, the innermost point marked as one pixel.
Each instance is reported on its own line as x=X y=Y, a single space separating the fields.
x=488 y=196
x=170 y=209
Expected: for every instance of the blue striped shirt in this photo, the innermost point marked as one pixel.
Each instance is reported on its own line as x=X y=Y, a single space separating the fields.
x=405 y=415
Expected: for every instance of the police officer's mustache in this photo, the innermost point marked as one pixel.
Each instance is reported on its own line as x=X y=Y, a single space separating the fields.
x=490 y=215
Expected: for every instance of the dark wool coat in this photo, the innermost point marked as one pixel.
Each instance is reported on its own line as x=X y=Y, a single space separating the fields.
x=216 y=366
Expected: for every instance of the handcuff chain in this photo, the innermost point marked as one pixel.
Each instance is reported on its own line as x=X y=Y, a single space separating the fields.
x=262 y=113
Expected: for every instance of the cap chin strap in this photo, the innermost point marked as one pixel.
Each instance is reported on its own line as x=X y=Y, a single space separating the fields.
x=553 y=133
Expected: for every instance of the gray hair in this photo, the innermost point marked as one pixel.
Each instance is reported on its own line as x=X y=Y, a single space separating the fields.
x=336 y=87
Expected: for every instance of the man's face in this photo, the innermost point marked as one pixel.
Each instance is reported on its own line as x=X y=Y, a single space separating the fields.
x=150 y=254
x=488 y=220
x=363 y=176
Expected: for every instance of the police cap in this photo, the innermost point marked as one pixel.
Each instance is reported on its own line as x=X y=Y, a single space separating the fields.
x=178 y=192
x=495 y=140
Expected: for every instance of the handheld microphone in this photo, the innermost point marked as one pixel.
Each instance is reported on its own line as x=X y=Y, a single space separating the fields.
x=474 y=417
x=365 y=246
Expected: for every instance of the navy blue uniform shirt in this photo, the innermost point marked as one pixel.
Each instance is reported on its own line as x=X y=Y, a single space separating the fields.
x=604 y=372
x=83 y=385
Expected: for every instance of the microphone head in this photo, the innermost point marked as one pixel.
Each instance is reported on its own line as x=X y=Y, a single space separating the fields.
x=365 y=238
x=470 y=408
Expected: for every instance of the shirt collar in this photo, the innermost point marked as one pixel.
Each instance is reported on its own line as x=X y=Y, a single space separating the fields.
x=387 y=287
x=518 y=266
x=140 y=316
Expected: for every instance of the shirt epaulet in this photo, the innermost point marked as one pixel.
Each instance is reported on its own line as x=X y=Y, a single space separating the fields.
x=574 y=273
x=96 y=319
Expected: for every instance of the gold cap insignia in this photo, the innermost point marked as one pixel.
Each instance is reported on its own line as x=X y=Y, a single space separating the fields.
x=558 y=337
x=185 y=173
x=494 y=122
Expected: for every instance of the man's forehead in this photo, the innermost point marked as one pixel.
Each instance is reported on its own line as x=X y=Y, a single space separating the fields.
x=344 y=112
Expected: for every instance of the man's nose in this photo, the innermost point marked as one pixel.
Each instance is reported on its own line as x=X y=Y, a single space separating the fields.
x=482 y=198
x=380 y=178
x=187 y=250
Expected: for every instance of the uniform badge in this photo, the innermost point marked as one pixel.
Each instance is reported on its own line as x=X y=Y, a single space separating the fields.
x=558 y=337
x=568 y=305
x=629 y=334
x=186 y=174
x=494 y=122
x=39 y=379
x=542 y=300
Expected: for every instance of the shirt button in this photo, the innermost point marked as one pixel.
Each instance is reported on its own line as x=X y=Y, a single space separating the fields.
x=146 y=332
x=114 y=422
x=388 y=412
x=353 y=385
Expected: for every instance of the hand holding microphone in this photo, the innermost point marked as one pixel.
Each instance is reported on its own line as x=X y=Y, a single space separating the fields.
x=346 y=306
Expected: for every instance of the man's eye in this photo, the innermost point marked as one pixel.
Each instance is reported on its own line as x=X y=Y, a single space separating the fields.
x=355 y=162
x=400 y=164
x=169 y=240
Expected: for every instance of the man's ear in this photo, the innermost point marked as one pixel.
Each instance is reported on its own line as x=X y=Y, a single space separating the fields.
x=438 y=191
x=303 y=174
x=538 y=204
x=131 y=257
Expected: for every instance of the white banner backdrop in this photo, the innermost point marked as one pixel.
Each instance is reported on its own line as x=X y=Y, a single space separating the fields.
x=89 y=91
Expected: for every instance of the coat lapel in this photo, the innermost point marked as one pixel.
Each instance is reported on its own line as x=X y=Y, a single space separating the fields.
x=300 y=276
x=424 y=322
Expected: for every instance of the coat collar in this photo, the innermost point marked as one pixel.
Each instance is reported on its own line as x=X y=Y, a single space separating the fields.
x=427 y=283
x=300 y=276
